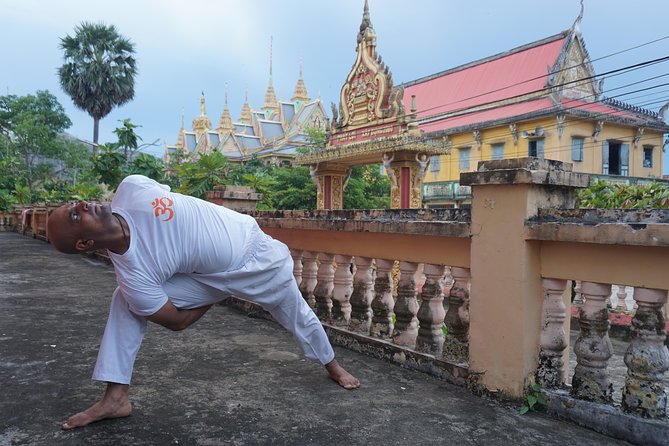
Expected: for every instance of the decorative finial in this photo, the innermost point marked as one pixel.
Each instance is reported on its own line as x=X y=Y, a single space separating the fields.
x=203 y=110
x=271 y=39
x=226 y=94
x=183 y=119
x=246 y=95
x=300 y=68
x=366 y=30
x=577 y=23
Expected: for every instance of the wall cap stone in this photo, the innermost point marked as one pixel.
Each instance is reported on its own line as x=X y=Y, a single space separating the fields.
x=525 y=171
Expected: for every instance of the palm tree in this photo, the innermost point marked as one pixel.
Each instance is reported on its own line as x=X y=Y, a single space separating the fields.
x=99 y=70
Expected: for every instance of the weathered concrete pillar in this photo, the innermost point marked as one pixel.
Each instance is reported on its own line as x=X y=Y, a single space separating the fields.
x=647 y=357
x=324 y=287
x=296 y=254
x=505 y=193
x=406 y=307
x=309 y=270
x=361 y=298
x=382 y=304
x=456 y=344
x=550 y=372
x=593 y=347
x=341 y=294
x=431 y=312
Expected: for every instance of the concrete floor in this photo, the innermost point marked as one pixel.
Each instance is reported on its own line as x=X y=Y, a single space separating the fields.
x=230 y=379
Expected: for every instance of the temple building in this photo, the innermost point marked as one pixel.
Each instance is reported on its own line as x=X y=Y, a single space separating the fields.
x=272 y=133
x=541 y=100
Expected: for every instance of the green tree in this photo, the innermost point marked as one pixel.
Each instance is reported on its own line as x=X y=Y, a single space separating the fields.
x=294 y=188
x=108 y=165
x=202 y=175
x=147 y=165
x=367 y=188
x=128 y=140
x=30 y=139
x=99 y=70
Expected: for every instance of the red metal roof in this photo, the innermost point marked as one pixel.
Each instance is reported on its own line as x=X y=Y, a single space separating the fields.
x=517 y=73
x=595 y=107
x=488 y=115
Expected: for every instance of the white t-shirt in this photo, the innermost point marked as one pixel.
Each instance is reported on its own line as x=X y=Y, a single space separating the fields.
x=173 y=233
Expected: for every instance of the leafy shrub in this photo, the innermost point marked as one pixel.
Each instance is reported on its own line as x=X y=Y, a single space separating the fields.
x=602 y=195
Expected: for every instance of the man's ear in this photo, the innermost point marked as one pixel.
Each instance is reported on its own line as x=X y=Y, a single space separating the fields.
x=84 y=245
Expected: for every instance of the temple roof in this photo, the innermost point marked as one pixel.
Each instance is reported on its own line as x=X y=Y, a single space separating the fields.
x=300 y=93
x=532 y=80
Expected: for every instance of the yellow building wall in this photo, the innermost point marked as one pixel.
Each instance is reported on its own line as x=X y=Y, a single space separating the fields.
x=555 y=147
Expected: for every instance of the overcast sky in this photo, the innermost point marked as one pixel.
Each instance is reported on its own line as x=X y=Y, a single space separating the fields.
x=186 y=47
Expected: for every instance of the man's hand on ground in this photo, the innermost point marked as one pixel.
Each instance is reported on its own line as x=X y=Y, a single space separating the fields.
x=114 y=404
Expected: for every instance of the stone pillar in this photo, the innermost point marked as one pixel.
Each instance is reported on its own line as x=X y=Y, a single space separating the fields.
x=406 y=307
x=553 y=339
x=296 y=254
x=578 y=296
x=647 y=357
x=309 y=270
x=621 y=306
x=382 y=304
x=456 y=344
x=405 y=171
x=324 y=287
x=361 y=298
x=330 y=179
x=431 y=312
x=593 y=347
x=341 y=295
x=505 y=193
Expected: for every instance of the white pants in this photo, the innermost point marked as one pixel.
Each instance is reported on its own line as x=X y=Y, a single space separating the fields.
x=266 y=278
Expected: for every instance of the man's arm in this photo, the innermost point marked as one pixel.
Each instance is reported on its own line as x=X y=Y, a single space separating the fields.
x=171 y=317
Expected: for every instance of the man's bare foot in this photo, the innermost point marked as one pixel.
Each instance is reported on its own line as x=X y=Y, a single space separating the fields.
x=114 y=404
x=341 y=376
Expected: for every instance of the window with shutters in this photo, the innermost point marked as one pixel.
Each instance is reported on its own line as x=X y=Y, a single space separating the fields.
x=615 y=158
x=435 y=164
x=463 y=158
x=577 y=148
x=535 y=148
x=647 y=156
x=498 y=151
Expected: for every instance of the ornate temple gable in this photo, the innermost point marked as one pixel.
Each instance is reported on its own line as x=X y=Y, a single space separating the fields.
x=202 y=123
x=368 y=97
x=572 y=65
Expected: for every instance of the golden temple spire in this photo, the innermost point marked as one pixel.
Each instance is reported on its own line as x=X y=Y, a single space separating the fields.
x=202 y=123
x=246 y=117
x=300 y=93
x=225 y=123
x=270 y=96
x=367 y=32
x=180 y=138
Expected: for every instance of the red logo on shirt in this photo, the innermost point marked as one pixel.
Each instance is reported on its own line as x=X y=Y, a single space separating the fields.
x=162 y=206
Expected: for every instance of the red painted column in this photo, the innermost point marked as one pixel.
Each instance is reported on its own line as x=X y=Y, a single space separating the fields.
x=405 y=188
x=327 y=199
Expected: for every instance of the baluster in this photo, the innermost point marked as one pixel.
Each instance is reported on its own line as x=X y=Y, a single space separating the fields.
x=431 y=312
x=406 y=307
x=647 y=357
x=343 y=287
x=362 y=295
x=593 y=347
x=382 y=304
x=578 y=296
x=456 y=344
x=324 y=287
x=296 y=254
x=553 y=340
x=621 y=307
x=309 y=269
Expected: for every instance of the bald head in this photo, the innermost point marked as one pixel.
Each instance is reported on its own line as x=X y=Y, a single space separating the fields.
x=59 y=232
